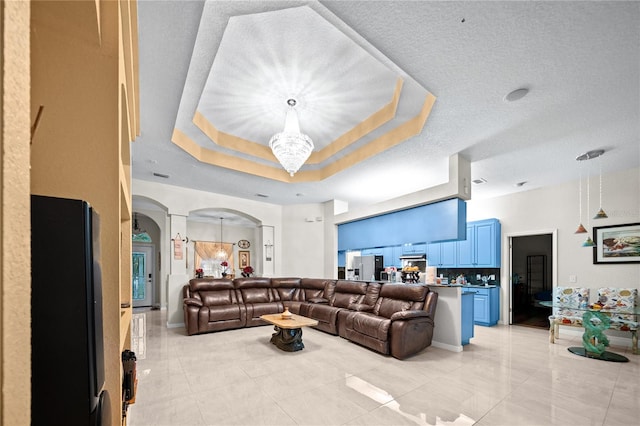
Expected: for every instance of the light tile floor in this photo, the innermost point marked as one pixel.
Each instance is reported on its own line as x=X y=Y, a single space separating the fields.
x=508 y=375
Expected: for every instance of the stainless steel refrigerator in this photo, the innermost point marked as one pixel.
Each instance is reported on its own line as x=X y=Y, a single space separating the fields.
x=367 y=268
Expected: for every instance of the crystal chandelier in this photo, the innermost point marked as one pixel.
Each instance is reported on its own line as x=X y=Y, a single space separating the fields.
x=291 y=147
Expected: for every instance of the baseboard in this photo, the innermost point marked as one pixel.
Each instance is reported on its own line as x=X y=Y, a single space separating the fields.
x=175 y=325
x=446 y=346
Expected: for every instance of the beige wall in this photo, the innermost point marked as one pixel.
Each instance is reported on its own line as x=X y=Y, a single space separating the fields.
x=81 y=150
x=15 y=264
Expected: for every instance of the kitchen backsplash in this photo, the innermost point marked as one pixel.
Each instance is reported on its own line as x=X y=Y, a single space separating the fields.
x=471 y=274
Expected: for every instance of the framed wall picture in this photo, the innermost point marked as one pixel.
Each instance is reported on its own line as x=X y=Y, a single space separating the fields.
x=244 y=258
x=617 y=244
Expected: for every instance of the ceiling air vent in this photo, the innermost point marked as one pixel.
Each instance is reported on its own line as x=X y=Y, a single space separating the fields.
x=161 y=175
x=262 y=196
x=479 y=181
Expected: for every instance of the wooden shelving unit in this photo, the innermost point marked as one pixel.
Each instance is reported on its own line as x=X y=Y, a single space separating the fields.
x=84 y=70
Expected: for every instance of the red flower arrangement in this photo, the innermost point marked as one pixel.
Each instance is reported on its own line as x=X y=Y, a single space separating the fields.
x=225 y=266
x=199 y=273
x=247 y=271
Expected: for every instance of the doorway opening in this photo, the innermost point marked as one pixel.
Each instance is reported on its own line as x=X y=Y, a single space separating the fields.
x=142 y=277
x=532 y=270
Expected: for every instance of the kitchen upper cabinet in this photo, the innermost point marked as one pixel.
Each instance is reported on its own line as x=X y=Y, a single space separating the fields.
x=392 y=256
x=481 y=249
x=442 y=255
x=414 y=249
x=377 y=251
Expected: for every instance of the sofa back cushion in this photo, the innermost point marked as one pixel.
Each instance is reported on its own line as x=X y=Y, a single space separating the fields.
x=399 y=297
x=212 y=291
x=373 y=292
x=313 y=288
x=254 y=290
x=287 y=289
x=618 y=299
x=348 y=292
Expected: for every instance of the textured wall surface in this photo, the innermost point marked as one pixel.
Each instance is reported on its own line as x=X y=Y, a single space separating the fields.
x=15 y=280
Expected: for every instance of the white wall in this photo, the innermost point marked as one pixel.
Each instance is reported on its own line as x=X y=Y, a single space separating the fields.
x=557 y=208
x=303 y=241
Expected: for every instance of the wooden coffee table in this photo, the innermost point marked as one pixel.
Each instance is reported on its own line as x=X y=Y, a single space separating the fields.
x=288 y=332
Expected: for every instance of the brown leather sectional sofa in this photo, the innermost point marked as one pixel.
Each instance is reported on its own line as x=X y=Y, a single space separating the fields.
x=394 y=319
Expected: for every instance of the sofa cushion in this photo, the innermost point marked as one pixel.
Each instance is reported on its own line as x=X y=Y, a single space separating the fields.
x=373 y=292
x=287 y=289
x=311 y=288
x=347 y=293
x=387 y=307
x=343 y=300
x=212 y=284
x=215 y=298
x=223 y=313
x=256 y=295
x=254 y=290
x=399 y=297
x=288 y=294
x=370 y=325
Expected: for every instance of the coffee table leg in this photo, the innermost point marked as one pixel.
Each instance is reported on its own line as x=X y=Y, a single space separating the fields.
x=287 y=339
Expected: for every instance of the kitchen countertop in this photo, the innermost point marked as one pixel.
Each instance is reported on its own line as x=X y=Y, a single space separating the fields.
x=463 y=286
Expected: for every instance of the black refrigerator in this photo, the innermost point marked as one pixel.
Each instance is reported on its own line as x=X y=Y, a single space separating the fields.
x=67 y=347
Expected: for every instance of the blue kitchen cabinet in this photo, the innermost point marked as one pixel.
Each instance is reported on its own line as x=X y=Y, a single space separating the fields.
x=442 y=255
x=481 y=249
x=486 y=305
x=414 y=249
x=467 y=316
x=465 y=249
x=376 y=251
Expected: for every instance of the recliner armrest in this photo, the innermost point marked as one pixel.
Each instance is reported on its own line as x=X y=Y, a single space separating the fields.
x=360 y=307
x=318 y=300
x=192 y=302
x=402 y=315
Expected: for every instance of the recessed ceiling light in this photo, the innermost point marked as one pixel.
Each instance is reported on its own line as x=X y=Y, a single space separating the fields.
x=479 y=181
x=521 y=183
x=262 y=195
x=161 y=175
x=516 y=94
x=299 y=194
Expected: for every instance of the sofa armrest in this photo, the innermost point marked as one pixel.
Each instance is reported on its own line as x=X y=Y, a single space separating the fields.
x=360 y=307
x=192 y=302
x=403 y=315
x=318 y=300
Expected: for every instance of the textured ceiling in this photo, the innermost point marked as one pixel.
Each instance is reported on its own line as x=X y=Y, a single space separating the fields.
x=580 y=61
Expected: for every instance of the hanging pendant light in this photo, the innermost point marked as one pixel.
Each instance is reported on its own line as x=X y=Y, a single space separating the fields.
x=601 y=214
x=588 y=242
x=291 y=147
x=581 y=229
x=221 y=253
x=138 y=234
